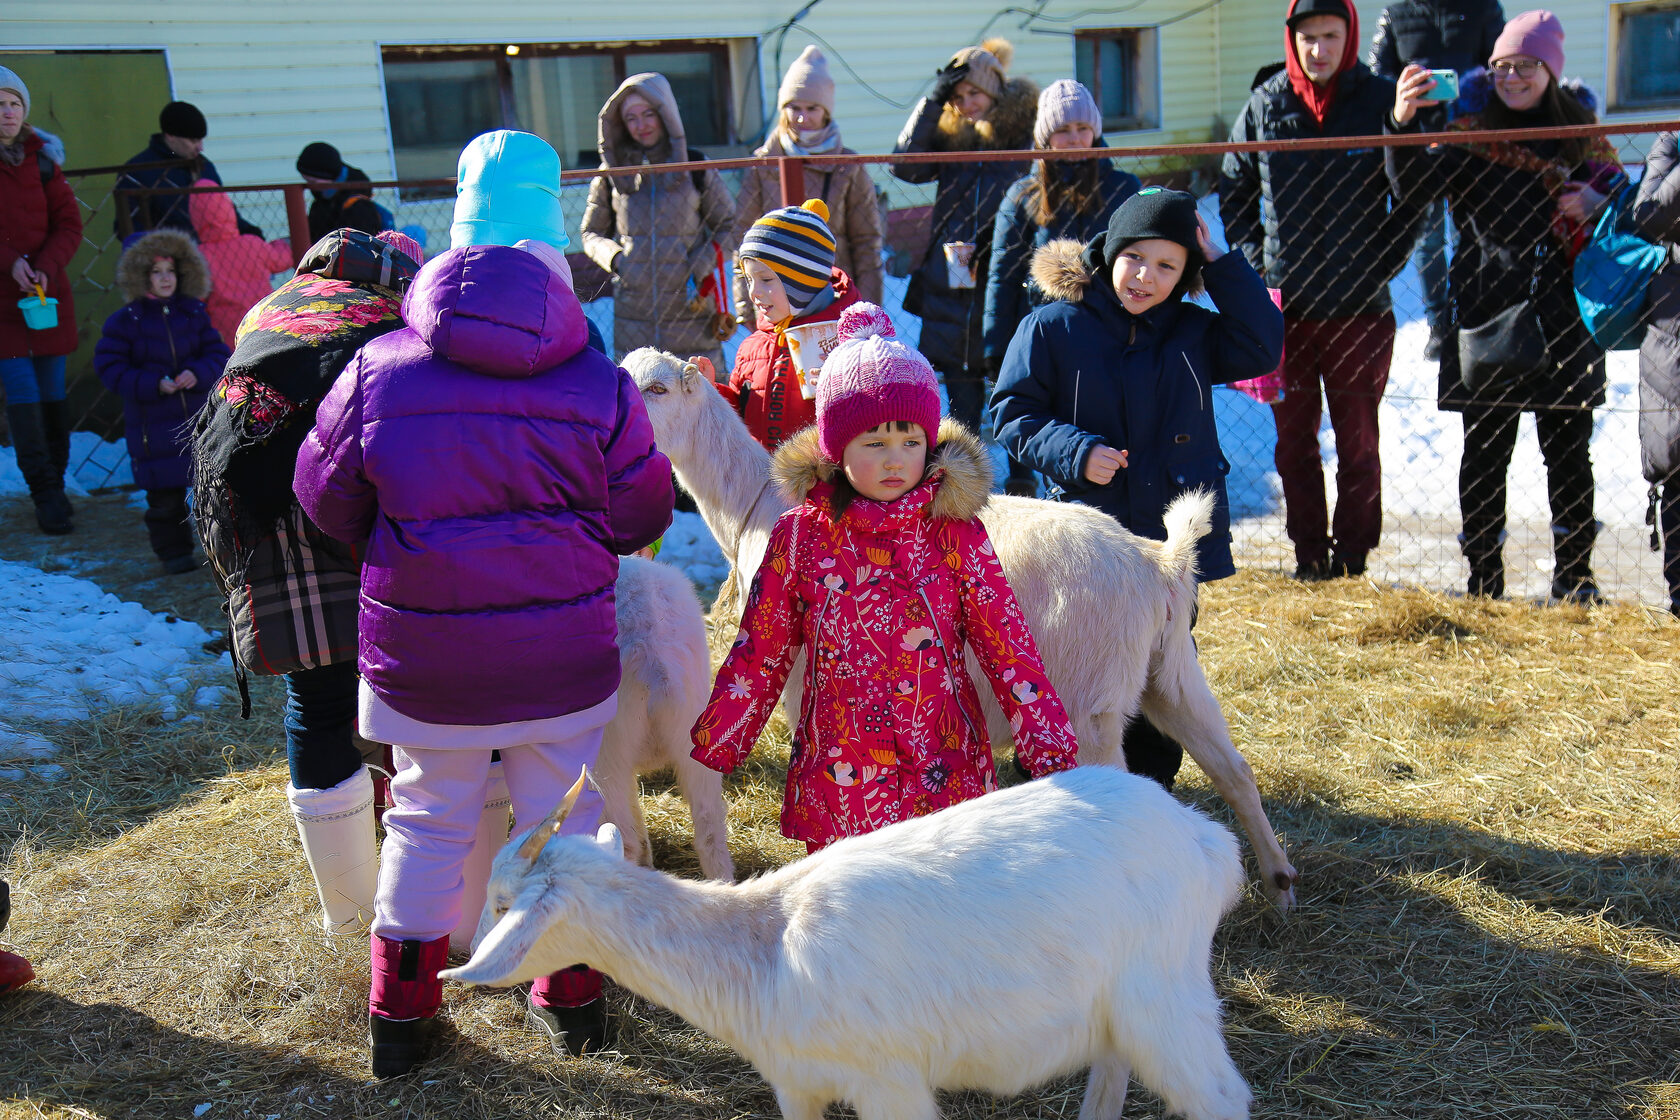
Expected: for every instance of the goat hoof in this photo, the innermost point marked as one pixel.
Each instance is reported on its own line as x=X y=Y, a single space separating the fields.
x=399 y=1044
x=571 y=1030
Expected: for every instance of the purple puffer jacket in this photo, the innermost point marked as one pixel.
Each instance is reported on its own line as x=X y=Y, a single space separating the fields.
x=144 y=342
x=497 y=469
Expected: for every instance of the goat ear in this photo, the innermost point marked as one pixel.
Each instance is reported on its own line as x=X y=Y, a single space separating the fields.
x=500 y=957
x=610 y=838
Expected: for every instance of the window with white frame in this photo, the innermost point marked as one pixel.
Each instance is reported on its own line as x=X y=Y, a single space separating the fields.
x=1646 y=55
x=440 y=97
x=1121 y=67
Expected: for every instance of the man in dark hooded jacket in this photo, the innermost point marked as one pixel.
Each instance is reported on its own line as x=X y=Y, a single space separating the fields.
x=1319 y=226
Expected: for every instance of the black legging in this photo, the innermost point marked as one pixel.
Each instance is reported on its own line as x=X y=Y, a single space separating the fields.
x=1490 y=436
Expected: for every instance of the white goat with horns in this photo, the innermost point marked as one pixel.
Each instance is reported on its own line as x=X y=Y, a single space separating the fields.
x=1110 y=610
x=859 y=973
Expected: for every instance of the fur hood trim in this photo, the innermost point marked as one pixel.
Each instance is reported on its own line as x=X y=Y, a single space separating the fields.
x=612 y=138
x=192 y=274
x=1058 y=268
x=1008 y=127
x=798 y=466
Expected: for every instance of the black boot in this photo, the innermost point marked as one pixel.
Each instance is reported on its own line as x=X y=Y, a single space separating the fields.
x=35 y=463
x=55 y=420
x=398 y=1045
x=1487 y=573
x=1572 y=577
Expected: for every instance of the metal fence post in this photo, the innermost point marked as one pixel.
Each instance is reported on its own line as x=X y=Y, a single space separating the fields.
x=792 y=170
x=297 y=220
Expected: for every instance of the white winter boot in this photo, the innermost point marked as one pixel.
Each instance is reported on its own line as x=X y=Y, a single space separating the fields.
x=336 y=827
x=475 y=873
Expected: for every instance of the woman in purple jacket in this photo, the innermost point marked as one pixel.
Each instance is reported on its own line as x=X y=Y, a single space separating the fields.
x=496 y=468
x=162 y=356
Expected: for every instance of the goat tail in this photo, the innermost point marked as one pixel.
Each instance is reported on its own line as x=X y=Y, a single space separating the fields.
x=1189 y=518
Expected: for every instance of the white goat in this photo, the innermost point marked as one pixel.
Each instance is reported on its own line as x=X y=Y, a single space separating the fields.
x=1060 y=924
x=1110 y=610
x=667 y=677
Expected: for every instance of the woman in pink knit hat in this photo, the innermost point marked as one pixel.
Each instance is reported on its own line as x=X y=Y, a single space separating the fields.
x=1516 y=343
x=883 y=575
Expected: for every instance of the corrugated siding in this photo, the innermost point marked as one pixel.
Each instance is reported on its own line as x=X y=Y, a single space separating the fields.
x=272 y=76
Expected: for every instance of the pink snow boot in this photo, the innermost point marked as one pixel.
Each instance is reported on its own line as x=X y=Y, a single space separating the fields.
x=569 y=1008
x=403 y=1001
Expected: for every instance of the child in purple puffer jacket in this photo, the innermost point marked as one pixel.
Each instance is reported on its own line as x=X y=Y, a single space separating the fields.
x=495 y=468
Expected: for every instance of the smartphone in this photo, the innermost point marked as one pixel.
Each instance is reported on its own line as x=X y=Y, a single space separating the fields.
x=1446 y=85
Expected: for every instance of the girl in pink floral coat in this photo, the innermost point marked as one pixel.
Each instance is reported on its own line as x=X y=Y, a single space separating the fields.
x=884 y=575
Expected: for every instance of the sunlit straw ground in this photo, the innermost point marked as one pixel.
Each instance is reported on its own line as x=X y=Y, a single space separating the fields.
x=1483 y=800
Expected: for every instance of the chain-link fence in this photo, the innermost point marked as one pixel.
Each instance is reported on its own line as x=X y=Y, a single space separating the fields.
x=1322 y=219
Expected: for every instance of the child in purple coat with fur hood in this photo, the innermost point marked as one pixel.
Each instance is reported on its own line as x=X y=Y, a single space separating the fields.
x=496 y=468
x=161 y=354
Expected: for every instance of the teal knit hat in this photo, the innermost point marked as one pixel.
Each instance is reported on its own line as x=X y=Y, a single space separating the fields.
x=507 y=189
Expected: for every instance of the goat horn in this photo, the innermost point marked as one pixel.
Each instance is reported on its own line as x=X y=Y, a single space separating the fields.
x=550 y=826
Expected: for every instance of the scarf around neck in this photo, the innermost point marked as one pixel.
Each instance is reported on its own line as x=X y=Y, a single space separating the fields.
x=14 y=152
x=813 y=142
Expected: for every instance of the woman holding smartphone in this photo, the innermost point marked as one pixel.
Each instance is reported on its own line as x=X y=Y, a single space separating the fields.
x=1513 y=204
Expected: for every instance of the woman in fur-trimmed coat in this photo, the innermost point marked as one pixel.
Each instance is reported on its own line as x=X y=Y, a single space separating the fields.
x=973 y=106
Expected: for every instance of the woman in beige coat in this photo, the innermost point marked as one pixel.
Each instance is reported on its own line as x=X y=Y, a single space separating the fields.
x=805 y=127
x=654 y=231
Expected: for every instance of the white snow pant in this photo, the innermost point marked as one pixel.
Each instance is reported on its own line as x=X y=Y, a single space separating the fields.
x=437 y=799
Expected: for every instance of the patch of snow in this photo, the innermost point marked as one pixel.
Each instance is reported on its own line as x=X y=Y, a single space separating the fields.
x=68 y=648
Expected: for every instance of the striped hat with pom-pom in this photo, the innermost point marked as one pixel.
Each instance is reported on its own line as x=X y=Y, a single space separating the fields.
x=871 y=378
x=797 y=244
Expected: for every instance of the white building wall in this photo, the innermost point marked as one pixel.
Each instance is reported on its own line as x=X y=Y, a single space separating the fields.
x=271 y=77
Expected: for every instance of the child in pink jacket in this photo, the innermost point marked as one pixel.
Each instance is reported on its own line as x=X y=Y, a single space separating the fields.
x=884 y=575
x=242 y=265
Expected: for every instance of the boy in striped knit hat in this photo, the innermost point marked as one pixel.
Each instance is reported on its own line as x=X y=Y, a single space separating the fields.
x=787 y=258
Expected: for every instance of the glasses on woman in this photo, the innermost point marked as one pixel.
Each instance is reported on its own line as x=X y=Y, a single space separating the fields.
x=1520 y=68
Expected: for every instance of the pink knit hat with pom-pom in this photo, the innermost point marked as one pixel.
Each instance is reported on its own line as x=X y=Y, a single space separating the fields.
x=871 y=378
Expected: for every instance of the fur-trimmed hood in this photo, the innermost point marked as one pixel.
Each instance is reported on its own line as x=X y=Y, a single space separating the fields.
x=965 y=486
x=1008 y=127
x=1058 y=268
x=191 y=271
x=612 y=138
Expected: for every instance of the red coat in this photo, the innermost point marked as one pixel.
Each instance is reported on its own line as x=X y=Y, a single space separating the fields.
x=763 y=386
x=43 y=222
x=883 y=600
x=241 y=264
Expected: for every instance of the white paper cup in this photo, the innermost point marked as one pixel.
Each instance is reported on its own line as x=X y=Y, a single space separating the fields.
x=808 y=345
x=959 y=264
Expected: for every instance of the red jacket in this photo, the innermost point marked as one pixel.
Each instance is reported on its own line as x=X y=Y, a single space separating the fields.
x=43 y=222
x=884 y=600
x=241 y=264
x=763 y=386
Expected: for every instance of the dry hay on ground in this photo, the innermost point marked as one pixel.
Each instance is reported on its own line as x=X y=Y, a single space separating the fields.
x=1481 y=798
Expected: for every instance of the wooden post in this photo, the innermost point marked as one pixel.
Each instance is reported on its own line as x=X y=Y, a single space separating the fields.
x=297 y=220
x=792 y=169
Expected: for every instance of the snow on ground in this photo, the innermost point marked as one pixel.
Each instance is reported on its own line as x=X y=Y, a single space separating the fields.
x=689 y=547
x=67 y=649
